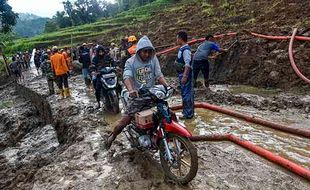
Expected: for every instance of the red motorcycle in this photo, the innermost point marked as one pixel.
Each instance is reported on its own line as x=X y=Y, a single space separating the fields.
x=155 y=130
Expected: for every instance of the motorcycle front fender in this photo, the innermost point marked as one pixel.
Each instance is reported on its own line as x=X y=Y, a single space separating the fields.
x=176 y=128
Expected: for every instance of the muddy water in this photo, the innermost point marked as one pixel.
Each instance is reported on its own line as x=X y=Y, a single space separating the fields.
x=289 y=146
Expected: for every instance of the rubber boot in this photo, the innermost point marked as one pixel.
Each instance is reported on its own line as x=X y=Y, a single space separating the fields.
x=67 y=92
x=61 y=93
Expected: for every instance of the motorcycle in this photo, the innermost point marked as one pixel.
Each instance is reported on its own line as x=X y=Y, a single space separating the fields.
x=110 y=89
x=154 y=130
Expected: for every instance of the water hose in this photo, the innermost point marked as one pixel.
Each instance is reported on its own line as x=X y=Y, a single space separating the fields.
x=291 y=56
x=291 y=166
x=194 y=42
x=250 y=118
x=302 y=38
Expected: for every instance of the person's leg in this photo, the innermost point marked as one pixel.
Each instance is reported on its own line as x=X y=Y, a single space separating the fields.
x=60 y=85
x=196 y=70
x=66 y=84
x=98 y=88
x=188 y=99
x=50 y=86
x=122 y=123
x=205 y=71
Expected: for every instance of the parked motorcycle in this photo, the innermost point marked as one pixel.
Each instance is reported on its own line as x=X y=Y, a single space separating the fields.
x=154 y=130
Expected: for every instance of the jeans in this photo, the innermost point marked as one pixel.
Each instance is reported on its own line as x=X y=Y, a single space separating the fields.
x=187 y=94
x=203 y=66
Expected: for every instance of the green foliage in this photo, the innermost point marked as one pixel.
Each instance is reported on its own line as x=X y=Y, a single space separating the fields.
x=29 y=25
x=85 y=33
x=7 y=17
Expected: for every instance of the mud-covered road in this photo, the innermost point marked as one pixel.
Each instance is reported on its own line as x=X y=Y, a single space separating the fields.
x=68 y=153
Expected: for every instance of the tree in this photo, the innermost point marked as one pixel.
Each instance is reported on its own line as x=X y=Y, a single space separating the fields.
x=50 y=26
x=7 y=17
x=62 y=20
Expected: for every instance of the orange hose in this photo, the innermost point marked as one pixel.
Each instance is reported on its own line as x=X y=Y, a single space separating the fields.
x=291 y=166
x=250 y=118
x=302 y=38
x=291 y=56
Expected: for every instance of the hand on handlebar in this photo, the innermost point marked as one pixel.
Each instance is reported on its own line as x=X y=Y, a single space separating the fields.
x=133 y=94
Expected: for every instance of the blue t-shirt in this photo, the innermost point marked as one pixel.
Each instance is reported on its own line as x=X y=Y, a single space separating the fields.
x=204 y=50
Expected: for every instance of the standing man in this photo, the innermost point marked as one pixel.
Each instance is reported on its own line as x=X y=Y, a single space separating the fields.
x=46 y=67
x=201 y=62
x=114 y=52
x=61 y=70
x=67 y=55
x=184 y=69
x=84 y=58
x=37 y=60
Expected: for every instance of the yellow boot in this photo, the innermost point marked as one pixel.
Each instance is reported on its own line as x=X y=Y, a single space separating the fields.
x=67 y=92
x=61 y=93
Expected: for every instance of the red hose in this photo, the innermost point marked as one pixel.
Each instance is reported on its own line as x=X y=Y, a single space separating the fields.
x=195 y=41
x=303 y=38
x=291 y=56
x=250 y=118
x=295 y=168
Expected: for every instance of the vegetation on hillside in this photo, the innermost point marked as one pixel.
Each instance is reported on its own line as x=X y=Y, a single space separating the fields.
x=161 y=19
x=100 y=30
x=29 y=25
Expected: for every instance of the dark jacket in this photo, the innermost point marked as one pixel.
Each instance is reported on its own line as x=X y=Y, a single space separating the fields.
x=84 y=57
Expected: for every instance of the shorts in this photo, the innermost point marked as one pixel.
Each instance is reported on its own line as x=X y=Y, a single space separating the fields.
x=136 y=105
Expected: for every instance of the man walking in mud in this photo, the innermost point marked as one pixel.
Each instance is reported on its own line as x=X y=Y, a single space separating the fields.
x=61 y=70
x=184 y=70
x=142 y=69
x=200 y=58
x=46 y=67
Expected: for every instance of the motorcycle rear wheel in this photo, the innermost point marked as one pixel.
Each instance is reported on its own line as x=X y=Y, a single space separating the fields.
x=184 y=155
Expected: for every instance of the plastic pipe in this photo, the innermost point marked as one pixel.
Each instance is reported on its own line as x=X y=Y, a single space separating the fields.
x=250 y=118
x=291 y=56
x=302 y=38
x=291 y=166
x=195 y=41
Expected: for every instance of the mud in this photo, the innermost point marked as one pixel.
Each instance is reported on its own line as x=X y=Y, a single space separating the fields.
x=68 y=153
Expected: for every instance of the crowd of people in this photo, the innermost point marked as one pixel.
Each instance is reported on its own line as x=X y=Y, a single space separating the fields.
x=20 y=62
x=136 y=59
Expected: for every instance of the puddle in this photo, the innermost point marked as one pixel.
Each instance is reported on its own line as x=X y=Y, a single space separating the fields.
x=239 y=89
x=289 y=146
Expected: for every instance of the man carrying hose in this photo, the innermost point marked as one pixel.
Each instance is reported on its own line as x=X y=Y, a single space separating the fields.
x=200 y=58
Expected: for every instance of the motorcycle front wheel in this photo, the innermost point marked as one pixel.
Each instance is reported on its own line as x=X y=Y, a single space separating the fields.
x=184 y=164
x=114 y=102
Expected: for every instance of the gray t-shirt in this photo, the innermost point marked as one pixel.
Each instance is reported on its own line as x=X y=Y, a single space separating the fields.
x=143 y=73
x=204 y=50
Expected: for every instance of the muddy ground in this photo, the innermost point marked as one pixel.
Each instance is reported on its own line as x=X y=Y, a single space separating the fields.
x=68 y=153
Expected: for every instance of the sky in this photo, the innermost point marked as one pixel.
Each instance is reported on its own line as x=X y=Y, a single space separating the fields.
x=43 y=8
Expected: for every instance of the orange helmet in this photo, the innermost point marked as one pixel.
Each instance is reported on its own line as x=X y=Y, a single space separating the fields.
x=132 y=39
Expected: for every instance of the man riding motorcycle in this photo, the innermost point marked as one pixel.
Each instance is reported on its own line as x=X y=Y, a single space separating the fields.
x=142 y=69
x=101 y=60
